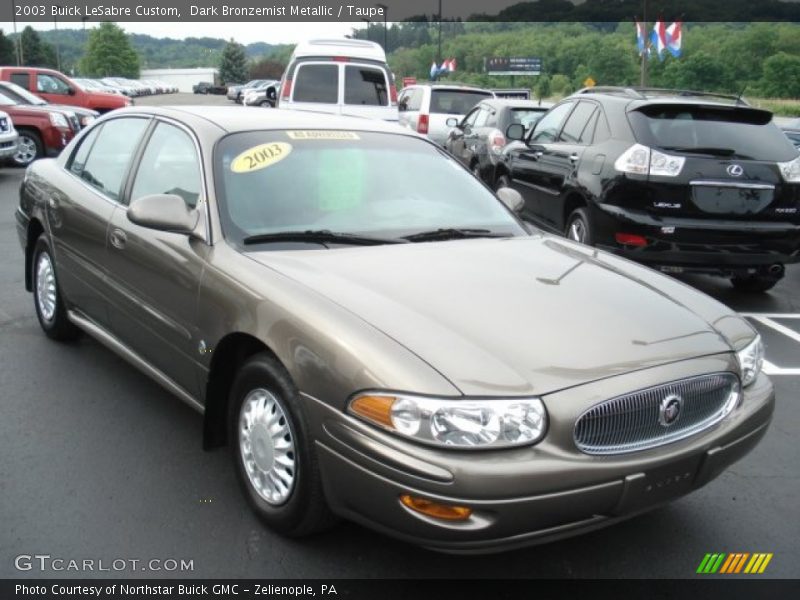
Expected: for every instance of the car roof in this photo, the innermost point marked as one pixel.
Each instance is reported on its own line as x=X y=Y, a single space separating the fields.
x=237 y=118
x=637 y=97
x=450 y=86
x=339 y=47
x=516 y=103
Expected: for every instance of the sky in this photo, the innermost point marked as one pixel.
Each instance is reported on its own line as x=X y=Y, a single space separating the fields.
x=244 y=33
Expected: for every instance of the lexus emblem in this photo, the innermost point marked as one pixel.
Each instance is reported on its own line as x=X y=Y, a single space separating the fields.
x=670 y=410
x=735 y=170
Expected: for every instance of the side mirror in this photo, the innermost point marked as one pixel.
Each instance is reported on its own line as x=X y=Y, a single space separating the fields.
x=511 y=198
x=515 y=131
x=452 y=122
x=163 y=212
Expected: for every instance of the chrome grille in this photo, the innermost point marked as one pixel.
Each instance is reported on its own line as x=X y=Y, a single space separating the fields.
x=637 y=421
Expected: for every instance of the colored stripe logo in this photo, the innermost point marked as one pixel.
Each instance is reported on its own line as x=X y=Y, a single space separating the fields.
x=737 y=562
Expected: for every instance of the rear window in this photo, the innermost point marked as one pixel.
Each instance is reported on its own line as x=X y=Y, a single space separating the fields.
x=22 y=79
x=525 y=117
x=365 y=86
x=737 y=132
x=455 y=102
x=317 y=83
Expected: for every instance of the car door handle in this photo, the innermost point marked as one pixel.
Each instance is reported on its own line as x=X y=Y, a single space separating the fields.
x=537 y=155
x=118 y=238
x=574 y=157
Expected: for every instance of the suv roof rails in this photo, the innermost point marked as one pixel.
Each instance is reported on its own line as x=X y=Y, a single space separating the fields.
x=642 y=93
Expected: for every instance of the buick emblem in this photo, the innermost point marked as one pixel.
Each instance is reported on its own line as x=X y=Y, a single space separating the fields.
x=670 y=410
x=735 y=170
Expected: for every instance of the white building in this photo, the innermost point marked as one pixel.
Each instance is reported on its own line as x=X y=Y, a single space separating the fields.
x=184 y=79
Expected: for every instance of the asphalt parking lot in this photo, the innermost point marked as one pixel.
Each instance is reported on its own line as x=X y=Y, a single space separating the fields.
x=101 y=463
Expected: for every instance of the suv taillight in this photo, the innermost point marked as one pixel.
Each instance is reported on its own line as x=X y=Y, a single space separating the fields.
x=286 y=90
x=642 y=160
x=422 y=124
x=393 y=94
x=496 y=141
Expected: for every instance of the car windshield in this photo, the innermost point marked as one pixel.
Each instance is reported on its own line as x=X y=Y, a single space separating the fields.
x=21 y=95
x=526 y=117
x=456 y=102
x=363 y=183
x=738 y=132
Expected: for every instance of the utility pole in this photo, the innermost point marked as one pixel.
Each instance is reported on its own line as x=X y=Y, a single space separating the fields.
x=439 y=53
x=18 y=38
x=385 y=29
x=643 y=77
x=367 y=21
x=58 y=48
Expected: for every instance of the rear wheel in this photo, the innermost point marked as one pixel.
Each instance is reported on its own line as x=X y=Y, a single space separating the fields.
x=757 y=282
x=273 y=453
x=29 y=147
x=47 y=299
x=579 y=227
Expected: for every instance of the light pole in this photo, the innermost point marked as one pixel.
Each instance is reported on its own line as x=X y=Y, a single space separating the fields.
x=367 y=21
x=18 y=39
x=439 y=18
x=385 y=29
x=58 y=49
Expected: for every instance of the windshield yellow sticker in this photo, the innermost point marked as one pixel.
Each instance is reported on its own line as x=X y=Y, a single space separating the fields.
x=259 y=157
x=322 y=135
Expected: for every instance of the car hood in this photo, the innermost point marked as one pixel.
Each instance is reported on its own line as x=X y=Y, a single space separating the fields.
x=516 y=316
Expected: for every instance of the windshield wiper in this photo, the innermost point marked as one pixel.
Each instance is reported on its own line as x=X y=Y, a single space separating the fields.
x=450 y=233
x=320 y=236
x=705 y=150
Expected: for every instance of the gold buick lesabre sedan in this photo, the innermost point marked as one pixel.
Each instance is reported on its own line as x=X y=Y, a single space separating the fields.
x=377 y=336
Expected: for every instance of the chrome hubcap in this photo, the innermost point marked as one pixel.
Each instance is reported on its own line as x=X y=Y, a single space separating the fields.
x=26 y=150
x=45 y=287
x=577 y=231
x=267 y=446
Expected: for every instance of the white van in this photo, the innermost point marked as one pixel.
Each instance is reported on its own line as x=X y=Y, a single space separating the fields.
x=346 y=77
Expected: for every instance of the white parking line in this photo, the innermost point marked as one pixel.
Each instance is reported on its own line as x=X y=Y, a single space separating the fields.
x=767 y=319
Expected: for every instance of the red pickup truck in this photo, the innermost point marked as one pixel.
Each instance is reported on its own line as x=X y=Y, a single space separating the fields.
x=57 y=88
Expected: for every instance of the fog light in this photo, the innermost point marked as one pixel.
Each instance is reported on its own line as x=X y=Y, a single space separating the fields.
x=433 y=509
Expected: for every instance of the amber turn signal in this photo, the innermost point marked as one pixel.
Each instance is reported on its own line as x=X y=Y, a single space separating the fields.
x=375 y=408
x=433 y=509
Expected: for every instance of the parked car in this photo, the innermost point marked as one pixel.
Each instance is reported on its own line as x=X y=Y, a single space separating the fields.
x=235 y=91
x=57 y=88
x=79 y=117
x=478 y=139
x=94 y=85
x=265 y=94
x=204 y=87
x=316 y=333
x=682 y=181
x=343 y=76
x=426 y=107
x=118 y=84
x=43 y=131
x=8 y=137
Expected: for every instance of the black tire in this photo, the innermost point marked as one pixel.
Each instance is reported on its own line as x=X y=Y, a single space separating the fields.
x=502 y=181
x=305 y=510
x=53 y=320
x=30 y=148
x=584 y=230
x=265 y=104
x=754 y=283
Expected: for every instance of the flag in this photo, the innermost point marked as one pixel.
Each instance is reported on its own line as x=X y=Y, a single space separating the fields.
x=658 y=39
x=451 y=66
x=640 y=37
x=674 y=39
x=434 y=70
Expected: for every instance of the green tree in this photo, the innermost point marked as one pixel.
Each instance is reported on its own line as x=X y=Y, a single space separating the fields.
x=782 y=76
x=543 y=87
x=35 y=52
x=109 y=53
x=233 y=63
x=8 y=55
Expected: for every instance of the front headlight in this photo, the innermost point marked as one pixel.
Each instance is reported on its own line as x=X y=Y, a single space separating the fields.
x=486 y=423
x=751 y=359
x=59 y=120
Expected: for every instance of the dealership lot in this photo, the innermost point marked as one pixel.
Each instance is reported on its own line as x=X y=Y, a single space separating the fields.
x=101 y=463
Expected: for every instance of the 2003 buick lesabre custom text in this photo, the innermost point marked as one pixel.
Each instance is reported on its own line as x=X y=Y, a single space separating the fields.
x=377 y=336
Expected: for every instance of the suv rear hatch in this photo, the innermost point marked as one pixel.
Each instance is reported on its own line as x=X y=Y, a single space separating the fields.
x=714 y=161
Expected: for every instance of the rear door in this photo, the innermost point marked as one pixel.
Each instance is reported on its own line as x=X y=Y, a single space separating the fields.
x=458 y=137
x=367 y=91
x=316 y=86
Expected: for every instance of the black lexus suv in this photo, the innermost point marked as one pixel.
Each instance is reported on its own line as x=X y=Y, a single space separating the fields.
x=679 y=180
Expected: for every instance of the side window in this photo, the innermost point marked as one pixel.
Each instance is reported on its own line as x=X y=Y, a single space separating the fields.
x=111 y=153
x=365 y=86
x=21 y=79
x=78 y=161
x=470 y=119
x=47 y=84
x=317 y=83
x=415 y=99
x=601 y=131
x=169 y=165
x=483 y=116
x=576 y=123
x=548 y=126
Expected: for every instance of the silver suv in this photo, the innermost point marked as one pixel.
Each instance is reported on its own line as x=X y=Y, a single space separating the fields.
x=425 y=107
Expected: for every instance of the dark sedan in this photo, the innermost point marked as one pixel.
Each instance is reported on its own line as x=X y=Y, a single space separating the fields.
x=204 y=87
x=478 y=140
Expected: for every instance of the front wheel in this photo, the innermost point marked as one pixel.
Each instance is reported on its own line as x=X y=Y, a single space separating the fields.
x=579 y=227
x=273 y=454
x=47 y=297
x=29 y=148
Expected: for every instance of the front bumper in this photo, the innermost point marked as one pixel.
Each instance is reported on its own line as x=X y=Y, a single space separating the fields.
x=534 y=494
x=700 y=245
